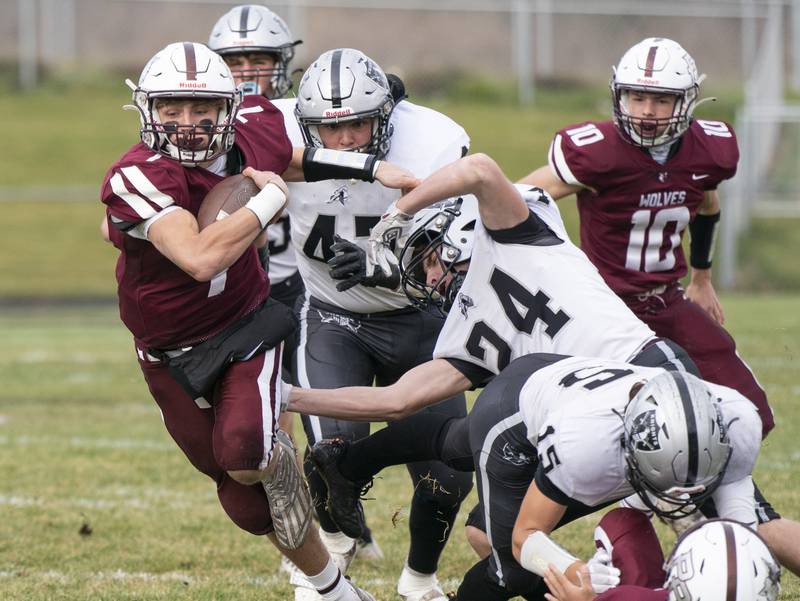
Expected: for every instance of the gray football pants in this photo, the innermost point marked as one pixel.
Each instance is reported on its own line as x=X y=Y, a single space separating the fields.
x=338 y=348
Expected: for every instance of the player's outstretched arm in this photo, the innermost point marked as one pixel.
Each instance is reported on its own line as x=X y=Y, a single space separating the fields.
x=535 y=551
x=418 y=388
x=316 y=164
x=544 y=178
x=204 y=254
x=499 y=202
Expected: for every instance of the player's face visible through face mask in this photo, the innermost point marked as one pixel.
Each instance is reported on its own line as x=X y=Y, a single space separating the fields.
x=188 y=123
x=347 y=135
x=437 y=276
x=253 y=68
x=648 y=110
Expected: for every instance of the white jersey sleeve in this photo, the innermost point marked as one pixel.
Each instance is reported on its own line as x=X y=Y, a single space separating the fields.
x=540 y=294
x=422 y=140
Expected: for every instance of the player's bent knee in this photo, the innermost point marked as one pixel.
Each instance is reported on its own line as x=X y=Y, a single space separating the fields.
x=246 y=477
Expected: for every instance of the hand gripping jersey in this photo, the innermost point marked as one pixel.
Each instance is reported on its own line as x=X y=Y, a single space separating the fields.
x=571 y=410
x=423 y=141
x=535 y=293
x=633 y=211
x=159 y=303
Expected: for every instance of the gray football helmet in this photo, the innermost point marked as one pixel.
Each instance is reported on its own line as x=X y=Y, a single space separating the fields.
x=675 y=443
x=444 y=233
x=722 y=560
x=253 y=28
x=345 y=85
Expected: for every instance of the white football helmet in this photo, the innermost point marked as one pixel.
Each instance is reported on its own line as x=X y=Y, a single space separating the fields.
x=655 y=65
x=722 y=560
x=345 y=85
x=254 y=28
x=675 y=443
x=186 y=71
x=444 y=232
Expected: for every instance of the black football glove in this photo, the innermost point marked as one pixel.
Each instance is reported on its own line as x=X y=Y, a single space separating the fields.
x=350 y=265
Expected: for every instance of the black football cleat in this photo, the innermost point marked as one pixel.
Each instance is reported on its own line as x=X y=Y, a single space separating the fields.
x=344 y=495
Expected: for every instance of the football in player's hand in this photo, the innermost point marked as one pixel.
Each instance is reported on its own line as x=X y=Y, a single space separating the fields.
x=230 y=194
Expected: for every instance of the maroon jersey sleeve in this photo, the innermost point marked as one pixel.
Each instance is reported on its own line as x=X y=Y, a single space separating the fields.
x=715 y=152
x=628 y=536
x=584 y=154
x=628 y=592
x=261 y=135
x=140 y=185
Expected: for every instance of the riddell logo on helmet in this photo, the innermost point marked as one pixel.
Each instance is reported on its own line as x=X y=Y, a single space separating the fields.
x=192 y=84
x=648 y=82
x=338 y=112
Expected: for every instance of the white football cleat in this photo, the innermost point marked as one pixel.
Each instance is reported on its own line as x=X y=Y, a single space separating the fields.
x=368 y=549
x=414 y=586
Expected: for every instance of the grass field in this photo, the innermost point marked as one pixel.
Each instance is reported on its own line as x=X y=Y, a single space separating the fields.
x=98 y=504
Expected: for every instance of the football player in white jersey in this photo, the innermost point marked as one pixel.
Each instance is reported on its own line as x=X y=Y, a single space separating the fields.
x=351 y=334
x=518 y=314
x=553 y=438
x=528 y=289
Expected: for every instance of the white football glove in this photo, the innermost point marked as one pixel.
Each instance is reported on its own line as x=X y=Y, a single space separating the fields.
x=602 y=572
x=394 y=226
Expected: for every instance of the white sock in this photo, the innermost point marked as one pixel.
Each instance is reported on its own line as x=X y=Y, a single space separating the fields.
x=330 y=583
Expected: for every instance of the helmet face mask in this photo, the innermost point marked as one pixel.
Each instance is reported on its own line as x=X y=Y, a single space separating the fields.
x=655 y=66
x=186 y=72
x=345 y=85
x=441 y=240
x=254 y=29
x=722 y=559
x=258 y=76
x=675 y=444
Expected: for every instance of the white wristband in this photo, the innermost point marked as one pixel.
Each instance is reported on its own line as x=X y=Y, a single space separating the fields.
x=538 y=551
x=375 y=168
x=267 y=203
x=286 y=391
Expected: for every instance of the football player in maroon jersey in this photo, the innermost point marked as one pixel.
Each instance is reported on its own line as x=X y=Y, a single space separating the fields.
x=207 y=336
x=641 y=179
x=715 y=559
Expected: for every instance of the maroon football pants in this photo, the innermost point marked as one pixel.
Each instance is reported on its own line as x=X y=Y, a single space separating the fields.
x=671 y=315
x=630 y=539
x=234 y=432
